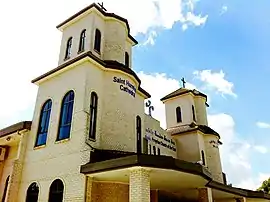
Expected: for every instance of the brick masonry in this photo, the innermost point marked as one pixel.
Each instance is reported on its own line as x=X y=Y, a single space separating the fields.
x=139 y=188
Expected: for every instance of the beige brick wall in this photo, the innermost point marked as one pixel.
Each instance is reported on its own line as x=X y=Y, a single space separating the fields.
x=154 y=125
x=213 y=158
x=139 y=185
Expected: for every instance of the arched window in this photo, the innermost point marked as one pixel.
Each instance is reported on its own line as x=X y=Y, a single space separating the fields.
x=178 y=115
x=43 y=125
x=126 y=59
x=82 y=41
x=68 y=48
x=56 y=191
x=93 y=115
x=203 y=157
x=97 y=40
x=5 y=189
x=139 y=134
x=193 y=113
x=32 y=193
x=66 y=116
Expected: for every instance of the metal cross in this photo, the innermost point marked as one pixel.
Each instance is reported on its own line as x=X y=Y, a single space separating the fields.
x=102 y=7
x=184 y=82
x=150 y=107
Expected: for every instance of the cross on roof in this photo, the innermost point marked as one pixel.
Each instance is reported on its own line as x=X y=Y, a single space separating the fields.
x=102 y=7
x=184 y=82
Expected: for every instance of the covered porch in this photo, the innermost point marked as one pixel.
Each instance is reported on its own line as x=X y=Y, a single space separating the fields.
x=148 y=178
x=145 y=178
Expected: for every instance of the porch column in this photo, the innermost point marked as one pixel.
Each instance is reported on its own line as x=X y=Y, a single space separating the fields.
x=205 y=195
x=139 y=185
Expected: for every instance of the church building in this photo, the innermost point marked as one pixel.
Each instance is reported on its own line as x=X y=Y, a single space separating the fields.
x=90 y=139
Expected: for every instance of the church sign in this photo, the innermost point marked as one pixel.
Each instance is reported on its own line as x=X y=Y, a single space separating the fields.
x=125 y=85
x=160 y=139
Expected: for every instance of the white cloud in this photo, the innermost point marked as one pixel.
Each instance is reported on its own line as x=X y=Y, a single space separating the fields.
x=215 y=81
x=224 y=9
x=151 y=38
x=261 y=149
x=159 y=85
x=254 y=183
x=263 y=125
x=154 y=14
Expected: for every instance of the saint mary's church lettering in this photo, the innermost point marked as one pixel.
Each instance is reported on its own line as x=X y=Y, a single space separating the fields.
x=125 y=86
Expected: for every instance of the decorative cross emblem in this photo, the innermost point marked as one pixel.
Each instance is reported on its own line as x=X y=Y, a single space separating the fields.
x=150 y=107
x=184 y=82
x=102 y=7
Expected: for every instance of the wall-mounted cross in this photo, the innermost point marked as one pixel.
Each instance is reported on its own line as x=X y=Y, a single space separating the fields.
x=150 y=107
x=102 y=6
x=184 y=82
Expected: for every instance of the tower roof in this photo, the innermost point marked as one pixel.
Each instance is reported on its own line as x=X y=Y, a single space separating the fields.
x=93 y=5
x=182 y=91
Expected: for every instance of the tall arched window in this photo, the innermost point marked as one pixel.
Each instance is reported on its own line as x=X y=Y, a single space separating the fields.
x=203 y=157
x=56 y=191
x=68 y=48
x=178 y=115
x=97 y=40
x=43 y=125
x=93 y=115
x=126 y=59
x=193 y=113
x=139 y=134
x=32 y=193
x=82 y=41
x=66 y=116
x=5 y=189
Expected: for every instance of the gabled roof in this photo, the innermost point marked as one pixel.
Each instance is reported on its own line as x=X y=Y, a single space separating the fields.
x=15 y=127
x=93 y=5
x=182 y=91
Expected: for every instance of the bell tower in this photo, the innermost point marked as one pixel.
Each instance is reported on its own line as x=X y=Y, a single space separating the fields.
x=106 y=35
x=186 y=120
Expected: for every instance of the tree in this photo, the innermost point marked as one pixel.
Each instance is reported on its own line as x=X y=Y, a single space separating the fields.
x=265 y=187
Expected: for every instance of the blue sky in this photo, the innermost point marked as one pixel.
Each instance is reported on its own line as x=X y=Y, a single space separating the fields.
x=221 y=47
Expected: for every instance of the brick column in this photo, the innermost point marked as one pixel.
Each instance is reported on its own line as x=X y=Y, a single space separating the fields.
x=15 y=177
x=205 y=195
x=139 y=185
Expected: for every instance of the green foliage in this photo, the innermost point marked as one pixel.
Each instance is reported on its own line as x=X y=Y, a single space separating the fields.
x=265 y=187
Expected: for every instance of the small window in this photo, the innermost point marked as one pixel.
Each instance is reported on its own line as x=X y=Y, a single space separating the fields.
x=126 y=59
x=193 y=113
x=158 y=151
x=154 y=150
x=68 y=48
x=56 y=191
x=97 y=40
x=93 y=115
x=66 y=116
x=5 y=189
x=203 y=157
x=178 y=115
x=44 y=123
x=82 y=41
x=32 y=193
x=150 y=149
